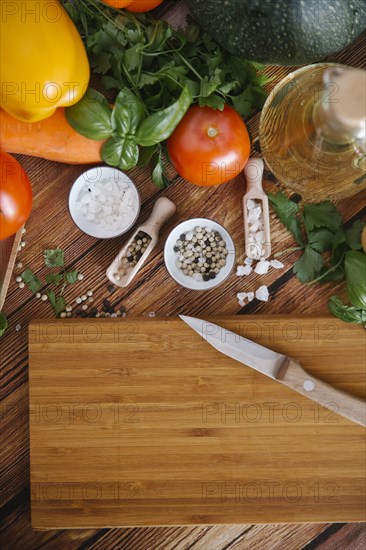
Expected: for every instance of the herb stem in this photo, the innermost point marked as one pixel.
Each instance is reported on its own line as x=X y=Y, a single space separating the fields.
x=188 y=64
x=330 y=270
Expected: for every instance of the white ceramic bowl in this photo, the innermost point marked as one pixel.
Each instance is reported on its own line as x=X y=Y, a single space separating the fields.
x=91 y=228
x=170 y=257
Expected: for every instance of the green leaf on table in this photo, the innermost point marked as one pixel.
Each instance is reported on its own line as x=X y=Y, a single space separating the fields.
x=71 y=276
x=54 y=278
x=353 y=235
x=321 y=239
x=349 y=314
x=29 y=278
x=127 y=113
x=91 y=116
x=3 y=323
x=160 y=125
x=120 y=151
x=309 y=265
x=158 y=176
x=58 y=304
x=323 y=214
x=287 y=211
x=54 y=257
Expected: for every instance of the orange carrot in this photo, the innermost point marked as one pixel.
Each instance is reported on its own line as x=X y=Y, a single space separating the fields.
x=51 y=138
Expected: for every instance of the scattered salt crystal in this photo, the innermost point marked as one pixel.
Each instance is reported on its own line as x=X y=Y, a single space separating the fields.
x=152 y=314
x=276 y=264
x=250 y=296
x=241 y=303
x=243 y=270
x=262 y=293
x=17 y=327
x=248 y=261
x=241 y=295
x=262 y=267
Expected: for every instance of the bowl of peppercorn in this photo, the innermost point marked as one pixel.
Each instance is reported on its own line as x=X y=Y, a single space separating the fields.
x=199 y=254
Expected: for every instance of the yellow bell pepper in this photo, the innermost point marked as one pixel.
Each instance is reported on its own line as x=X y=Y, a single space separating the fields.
x=43 y=63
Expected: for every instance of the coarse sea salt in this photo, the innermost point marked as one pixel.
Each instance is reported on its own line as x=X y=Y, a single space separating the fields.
x=262 y=293
x=243 y=270
x=276 y=264
x=262 y=267
x=111 y=204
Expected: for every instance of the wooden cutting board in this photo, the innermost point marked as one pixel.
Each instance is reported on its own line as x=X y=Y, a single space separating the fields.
x=141 y=422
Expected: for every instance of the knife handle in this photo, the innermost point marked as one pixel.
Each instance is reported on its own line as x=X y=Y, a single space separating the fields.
x=294 y=376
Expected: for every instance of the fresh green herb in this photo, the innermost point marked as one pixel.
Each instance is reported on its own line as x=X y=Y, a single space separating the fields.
x=54 y=258
x=58 y=304
x=30 y=279
x=3 y=323
x=71 y=276
x=318 y=229
x=54 y=278
x=154 y=73
x=349 y=314
x=353 y=235
x=355 y=266
x=330 y=252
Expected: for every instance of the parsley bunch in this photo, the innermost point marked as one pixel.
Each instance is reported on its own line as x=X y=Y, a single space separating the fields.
x=319 y=231
x=156 y=73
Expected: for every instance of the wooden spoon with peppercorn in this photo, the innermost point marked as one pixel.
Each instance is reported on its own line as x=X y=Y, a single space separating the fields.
x=135 y=252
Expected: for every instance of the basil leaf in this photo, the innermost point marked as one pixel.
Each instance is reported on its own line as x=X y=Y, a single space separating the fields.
x=349 y=314
x=159 y=126
x=3 y=323
x=120 y=151
x=91 y=116
x=158 y=176
x=355 y=265
x=353 y=235
x=127 y=113
x=145 y=155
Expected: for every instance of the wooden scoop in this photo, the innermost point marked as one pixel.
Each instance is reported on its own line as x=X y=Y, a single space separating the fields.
x=254 y=175
x=117 y=272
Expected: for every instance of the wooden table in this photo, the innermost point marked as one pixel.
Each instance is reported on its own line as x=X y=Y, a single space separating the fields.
x=153 y=291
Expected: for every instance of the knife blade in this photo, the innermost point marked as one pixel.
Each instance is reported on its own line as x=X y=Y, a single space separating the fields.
x=279 y=367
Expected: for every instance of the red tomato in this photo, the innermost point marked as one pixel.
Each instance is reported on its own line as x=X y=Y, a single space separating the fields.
x=15 y=196
x=143 y=5
x=209 y=147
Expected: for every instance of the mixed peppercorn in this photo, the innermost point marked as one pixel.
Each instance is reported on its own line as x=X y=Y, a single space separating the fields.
x=201 y=253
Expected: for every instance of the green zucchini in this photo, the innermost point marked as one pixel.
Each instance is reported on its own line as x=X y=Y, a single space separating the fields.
x=281 y=32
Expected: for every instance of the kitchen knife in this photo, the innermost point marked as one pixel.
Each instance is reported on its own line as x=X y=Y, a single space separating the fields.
x=280 y=367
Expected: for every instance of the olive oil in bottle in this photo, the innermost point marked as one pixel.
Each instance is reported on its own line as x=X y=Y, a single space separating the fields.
x=313 y=128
